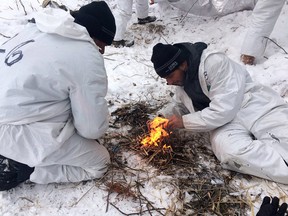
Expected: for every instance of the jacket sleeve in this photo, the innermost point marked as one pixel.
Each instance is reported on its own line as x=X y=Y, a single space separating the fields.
x=88 y=104
x=226 y=80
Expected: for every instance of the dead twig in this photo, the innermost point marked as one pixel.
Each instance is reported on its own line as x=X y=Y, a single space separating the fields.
x=149 y=203
x=23 y=7
x=276 y=44
x=138 y=189
x=25 y=198
x=109 y=192
x=278 y=185
x=74 y=204
x=137 y=213
x=188 y=11
x=5 y=36
x=118 y=65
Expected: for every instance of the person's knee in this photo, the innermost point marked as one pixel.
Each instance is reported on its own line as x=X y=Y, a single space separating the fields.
x=224 y=153
x=104 y=157
x=100 y=165
x=226 y=147
x=219 y=148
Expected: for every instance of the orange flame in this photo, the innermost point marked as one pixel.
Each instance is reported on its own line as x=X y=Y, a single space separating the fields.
x=157 y=133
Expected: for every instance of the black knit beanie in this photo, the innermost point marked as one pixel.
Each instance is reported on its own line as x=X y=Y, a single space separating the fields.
x=166 y=58
x=98 y=19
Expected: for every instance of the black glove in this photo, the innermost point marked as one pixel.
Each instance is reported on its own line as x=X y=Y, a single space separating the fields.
x=271 y=209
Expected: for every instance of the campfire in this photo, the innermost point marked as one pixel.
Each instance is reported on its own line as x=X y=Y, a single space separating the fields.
x=194 y=166
x=158 y=139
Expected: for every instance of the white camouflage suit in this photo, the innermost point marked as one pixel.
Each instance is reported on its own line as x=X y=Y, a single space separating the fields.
x=123 y=13
x=52 y=105
x=248 y=122
x=264 y=17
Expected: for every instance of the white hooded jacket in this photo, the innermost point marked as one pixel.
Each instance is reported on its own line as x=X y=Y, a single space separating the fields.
x=53 y=84
x=241 y=103
x=247 y=121
x=232 y=92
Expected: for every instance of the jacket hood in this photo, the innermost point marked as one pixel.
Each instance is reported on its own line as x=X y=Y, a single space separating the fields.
x=60 y=22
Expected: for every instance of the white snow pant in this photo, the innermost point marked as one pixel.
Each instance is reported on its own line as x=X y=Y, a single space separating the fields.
x=78 y=159
x=264 y=17
x=262 y=155
x=123 y=13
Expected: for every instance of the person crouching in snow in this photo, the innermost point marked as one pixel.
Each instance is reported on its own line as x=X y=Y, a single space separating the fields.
x=52 y=97
x=247 y=121
x=123 y=14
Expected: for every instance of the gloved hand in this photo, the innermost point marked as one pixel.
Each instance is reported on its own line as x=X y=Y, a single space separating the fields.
x=271 y=209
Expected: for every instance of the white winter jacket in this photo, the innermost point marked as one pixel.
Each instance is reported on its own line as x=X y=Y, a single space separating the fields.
x=53 y=83
x=232 y=93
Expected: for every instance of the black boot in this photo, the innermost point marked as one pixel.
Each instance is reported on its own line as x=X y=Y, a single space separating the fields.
x=123 y=43
x=12 y=173
x=148 y=19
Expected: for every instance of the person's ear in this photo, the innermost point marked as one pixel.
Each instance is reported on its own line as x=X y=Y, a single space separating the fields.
x=183 y=66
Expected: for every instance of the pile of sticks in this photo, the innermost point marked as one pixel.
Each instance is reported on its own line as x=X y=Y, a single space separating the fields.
x=190 y=162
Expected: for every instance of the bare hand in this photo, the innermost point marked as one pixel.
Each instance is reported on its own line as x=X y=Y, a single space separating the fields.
x=247 y=59
x=175 y=122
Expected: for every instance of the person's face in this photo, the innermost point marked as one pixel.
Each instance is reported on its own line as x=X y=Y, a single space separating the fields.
x=100 y=44
x=177 y=76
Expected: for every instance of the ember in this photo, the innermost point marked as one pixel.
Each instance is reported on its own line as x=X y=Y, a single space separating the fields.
x=157 y=133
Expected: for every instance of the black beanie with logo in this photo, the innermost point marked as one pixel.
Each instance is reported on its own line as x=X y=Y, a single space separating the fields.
x=98 y=19
x=166 y=58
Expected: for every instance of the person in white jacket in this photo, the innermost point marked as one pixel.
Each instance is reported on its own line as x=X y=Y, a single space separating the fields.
x=264 y=17
x=247 y=121
x=123 y=13
x=52 y=97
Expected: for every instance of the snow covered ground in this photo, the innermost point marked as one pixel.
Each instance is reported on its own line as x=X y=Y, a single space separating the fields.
x=131 y=79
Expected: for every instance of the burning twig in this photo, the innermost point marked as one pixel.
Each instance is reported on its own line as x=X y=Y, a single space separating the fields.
x=157 y=142
x=157 y=132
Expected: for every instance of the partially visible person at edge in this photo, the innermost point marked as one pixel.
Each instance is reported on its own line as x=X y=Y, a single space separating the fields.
x=54 y=4
x=52 y=97
x=264 y=17
x=247 y=121
x=123 y=13
x=270 y=207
